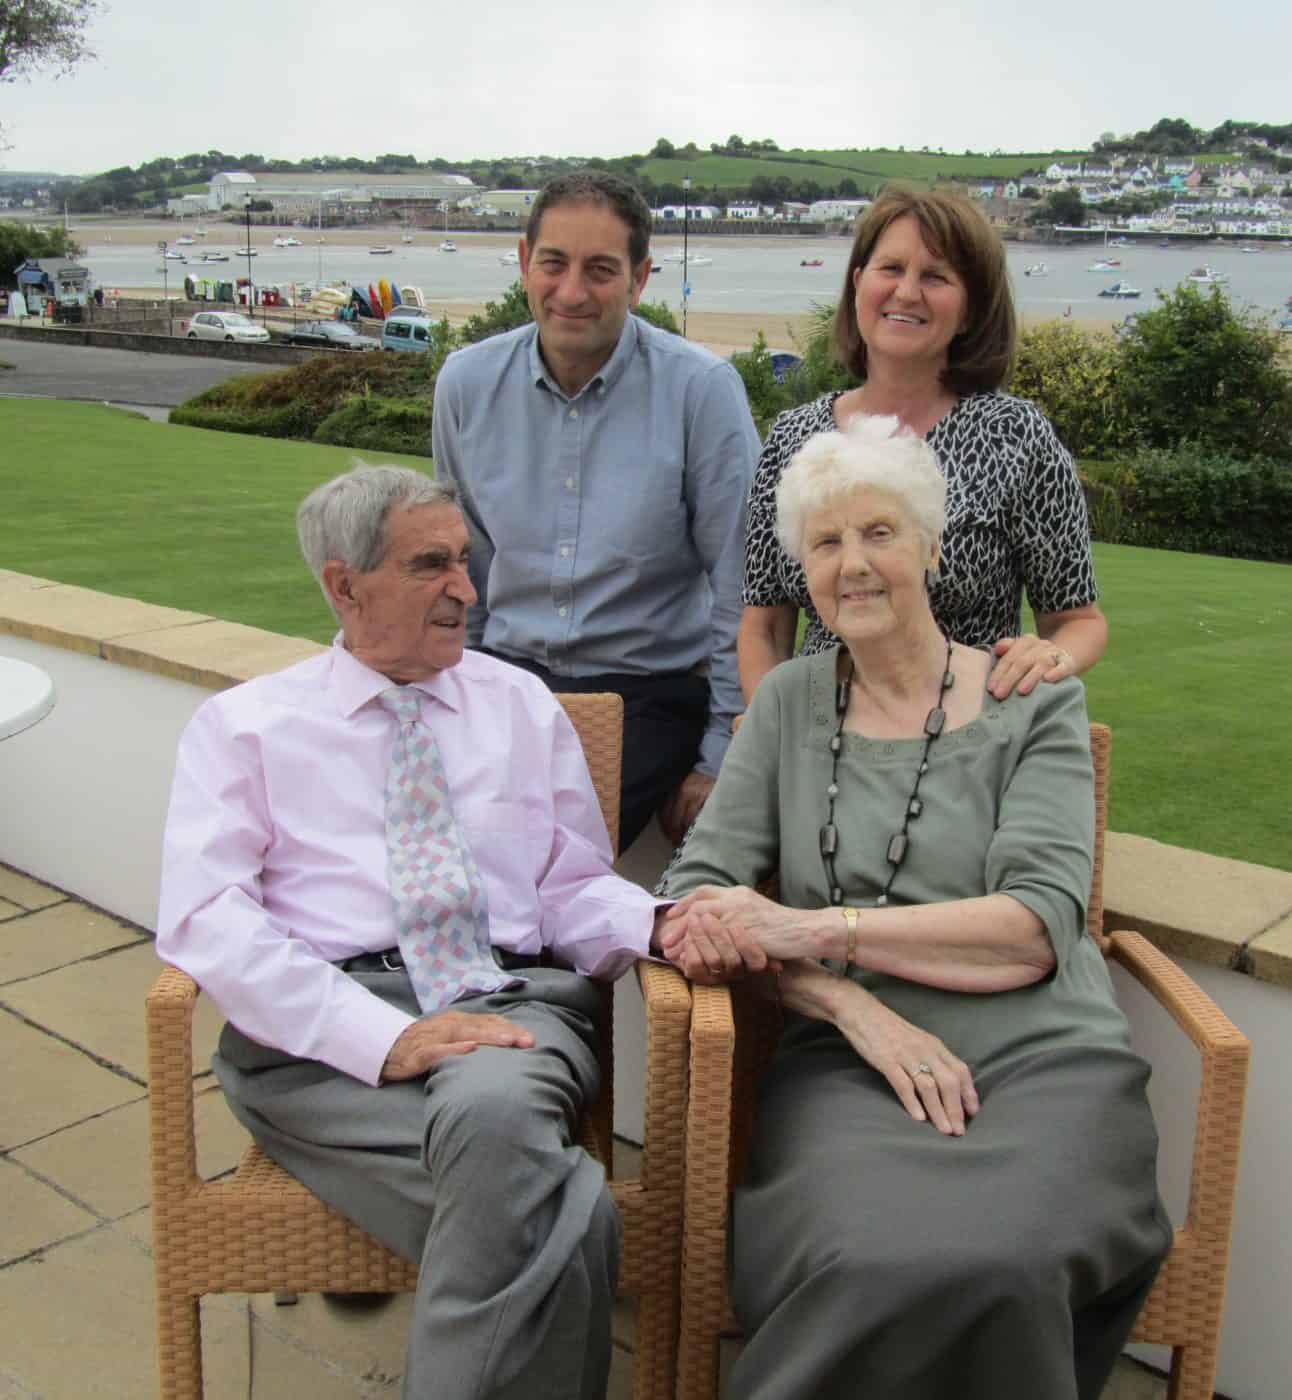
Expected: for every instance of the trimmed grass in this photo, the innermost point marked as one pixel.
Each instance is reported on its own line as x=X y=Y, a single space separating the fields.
x=1197 y=682
x=183 y=516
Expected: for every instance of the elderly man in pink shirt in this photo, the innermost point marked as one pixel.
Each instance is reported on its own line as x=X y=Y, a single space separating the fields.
x=381 y=863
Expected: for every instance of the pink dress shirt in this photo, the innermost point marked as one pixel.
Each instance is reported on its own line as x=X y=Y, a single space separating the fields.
x=274 y=864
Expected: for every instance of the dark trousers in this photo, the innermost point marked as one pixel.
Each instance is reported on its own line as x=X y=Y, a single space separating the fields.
x=664 y=721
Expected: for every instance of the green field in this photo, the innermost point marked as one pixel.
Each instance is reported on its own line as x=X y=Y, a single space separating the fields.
x=868 y=169
x=1197 y=682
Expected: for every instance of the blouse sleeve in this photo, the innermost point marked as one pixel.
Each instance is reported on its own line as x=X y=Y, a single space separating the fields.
x=1050 y=524
x=766 y=563
x=736 y=838
x=1042 y=849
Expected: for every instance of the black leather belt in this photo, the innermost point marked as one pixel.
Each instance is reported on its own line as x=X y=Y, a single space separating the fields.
x=392 y=960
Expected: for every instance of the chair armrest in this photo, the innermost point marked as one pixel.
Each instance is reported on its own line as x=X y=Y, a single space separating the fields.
x=667 y=997
x=708 y=1121
x=169 y=1020
x=1225 y=1052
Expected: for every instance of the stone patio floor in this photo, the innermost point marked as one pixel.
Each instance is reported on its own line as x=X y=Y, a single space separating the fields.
x=76 y=1290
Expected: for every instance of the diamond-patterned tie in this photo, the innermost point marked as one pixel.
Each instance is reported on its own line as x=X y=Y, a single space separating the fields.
x=442 y=918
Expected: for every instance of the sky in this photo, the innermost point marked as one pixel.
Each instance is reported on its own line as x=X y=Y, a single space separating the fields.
x=297 y=78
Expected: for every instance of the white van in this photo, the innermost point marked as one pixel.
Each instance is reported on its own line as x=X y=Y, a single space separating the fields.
x=406 y=332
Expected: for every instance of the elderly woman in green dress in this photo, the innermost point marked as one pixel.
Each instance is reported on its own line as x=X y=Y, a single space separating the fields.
x=951 y=1194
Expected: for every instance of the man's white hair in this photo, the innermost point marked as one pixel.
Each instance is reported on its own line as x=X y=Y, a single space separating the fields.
x=873 y=452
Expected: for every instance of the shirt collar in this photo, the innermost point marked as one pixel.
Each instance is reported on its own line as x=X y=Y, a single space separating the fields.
x=354 y=685
x=605 y=376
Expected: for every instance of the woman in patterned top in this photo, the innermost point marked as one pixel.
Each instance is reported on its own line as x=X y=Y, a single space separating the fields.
x=926 y=323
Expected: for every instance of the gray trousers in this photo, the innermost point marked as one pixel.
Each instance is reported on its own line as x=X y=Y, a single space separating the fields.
x=474 y=1173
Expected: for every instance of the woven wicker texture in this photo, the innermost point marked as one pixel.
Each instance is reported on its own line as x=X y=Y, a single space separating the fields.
x=733 y=1032
x=260 y=1230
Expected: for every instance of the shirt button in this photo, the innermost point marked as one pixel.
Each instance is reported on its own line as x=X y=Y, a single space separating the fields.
x=569 y=483
x=574 y=413
x=565 y=551
x=562 y=610
x=601 y=391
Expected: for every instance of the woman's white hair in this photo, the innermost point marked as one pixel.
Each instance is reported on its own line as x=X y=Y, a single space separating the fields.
x=873 y=452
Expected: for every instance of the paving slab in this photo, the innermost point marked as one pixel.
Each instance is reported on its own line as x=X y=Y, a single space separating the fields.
x=33 y=1214
x=1271 y=954
x=99 y=1004
x=81 y=619
x=47 y=1085
x=22 y=890
x=57 y=936
x=1190 y=904
x=80 y=1321
x=104 y=1162
x=212 y=654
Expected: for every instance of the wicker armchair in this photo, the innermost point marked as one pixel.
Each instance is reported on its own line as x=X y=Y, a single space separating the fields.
x=733 y=1033
x=261 y=1231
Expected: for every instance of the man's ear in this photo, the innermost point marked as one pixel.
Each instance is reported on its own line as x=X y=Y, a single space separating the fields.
x=338 y=581
x=640 y=275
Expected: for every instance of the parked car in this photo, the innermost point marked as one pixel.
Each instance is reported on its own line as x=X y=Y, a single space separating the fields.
x=407 y=333
x=408 y=308
x=331 y=335
x=225 y=325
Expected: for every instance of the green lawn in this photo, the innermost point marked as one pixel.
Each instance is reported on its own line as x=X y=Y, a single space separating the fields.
x=1197 y=683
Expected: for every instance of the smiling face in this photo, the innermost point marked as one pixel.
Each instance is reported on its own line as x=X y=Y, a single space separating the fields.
x=581 y=284
x=910 y=303
x=865 y=558
x=407 y=617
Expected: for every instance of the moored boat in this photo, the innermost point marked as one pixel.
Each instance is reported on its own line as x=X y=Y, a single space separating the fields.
x=380 y=249
x=448 y=246
x=1120 y=290
x=1037 y=270
x=811 y=262
x=511 y=258
x=1104 y=265
x=1208 y=276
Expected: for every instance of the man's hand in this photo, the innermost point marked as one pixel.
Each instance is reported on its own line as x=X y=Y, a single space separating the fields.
x=683 y=805
x=705 y=948
x=434 y=1038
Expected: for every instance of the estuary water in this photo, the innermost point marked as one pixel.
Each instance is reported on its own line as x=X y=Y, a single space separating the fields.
x=725 y=274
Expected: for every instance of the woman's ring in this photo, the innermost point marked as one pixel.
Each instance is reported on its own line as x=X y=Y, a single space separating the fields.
x=923 y=1068
x=1056 y=658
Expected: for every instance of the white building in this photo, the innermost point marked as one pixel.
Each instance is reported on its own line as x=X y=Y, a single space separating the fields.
x=824 y=209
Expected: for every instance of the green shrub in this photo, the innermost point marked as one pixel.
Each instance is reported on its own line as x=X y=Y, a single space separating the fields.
x=1072 y=376
x=820 y=372
x=497 y=316
x=658 y=314
x=1104 y=484
x=290 y=421
x=1190 y=497
x=1195 y=369
x=378 y=424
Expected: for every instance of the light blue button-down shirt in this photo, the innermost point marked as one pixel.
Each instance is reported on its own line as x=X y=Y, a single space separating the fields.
x=607 y=527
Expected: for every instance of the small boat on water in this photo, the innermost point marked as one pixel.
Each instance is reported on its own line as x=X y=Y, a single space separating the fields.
x=286 y=242
x=213 y=257
x=511 y=258
x=1121 y=290
x=657 y=267
x=1104 y=265
x=448 y=246
x=1037 y=270
x=406 y=236
x=381 y=249
x=174 y=255
x=185 y=238
x=248 y=253
x=1207 y=276
x=811 y=262
x=700 y=261
x=199 y=230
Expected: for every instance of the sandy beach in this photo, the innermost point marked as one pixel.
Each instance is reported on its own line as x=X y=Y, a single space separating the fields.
x=721 y=331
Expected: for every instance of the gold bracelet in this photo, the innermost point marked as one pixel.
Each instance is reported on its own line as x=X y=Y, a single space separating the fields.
x=850 y=917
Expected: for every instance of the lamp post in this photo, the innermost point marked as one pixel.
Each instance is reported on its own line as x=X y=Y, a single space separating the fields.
x=686 y=230
x=162 y=246
x=251 y=286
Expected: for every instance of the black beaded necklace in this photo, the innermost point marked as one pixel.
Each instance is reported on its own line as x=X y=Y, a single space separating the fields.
x=899 y=841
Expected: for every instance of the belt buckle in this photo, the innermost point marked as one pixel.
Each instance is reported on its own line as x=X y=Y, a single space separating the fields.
x=392 y=961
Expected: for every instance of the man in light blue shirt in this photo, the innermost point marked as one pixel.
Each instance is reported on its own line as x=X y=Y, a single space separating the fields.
x=603 y=467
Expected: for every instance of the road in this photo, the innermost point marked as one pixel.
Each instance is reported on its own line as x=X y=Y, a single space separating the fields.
x=134 y=377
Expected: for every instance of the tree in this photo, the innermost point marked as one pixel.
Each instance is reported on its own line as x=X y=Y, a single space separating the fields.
x=43 y=34
x=1195 y=369
x=663 y=149
x=1062 y=207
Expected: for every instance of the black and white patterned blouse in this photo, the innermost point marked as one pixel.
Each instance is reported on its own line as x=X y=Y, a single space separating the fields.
x=1016 y=518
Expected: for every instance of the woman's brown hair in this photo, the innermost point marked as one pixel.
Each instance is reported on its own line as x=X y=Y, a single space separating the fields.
x=980 y=357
